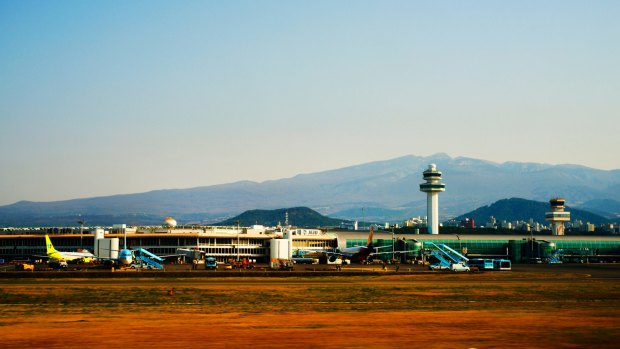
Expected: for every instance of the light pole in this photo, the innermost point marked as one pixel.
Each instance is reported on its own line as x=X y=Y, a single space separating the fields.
x=459 y=238
x=81 y=222
x=393 y=242
x=363 y=218
x=532 y=243
x=237 y=241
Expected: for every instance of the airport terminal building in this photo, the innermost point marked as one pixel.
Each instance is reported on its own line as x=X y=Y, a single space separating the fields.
x=226 y=243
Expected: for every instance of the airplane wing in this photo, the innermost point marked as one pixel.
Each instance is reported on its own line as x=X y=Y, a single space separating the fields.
x=339 y=254
x=172 y=255
x=165 y=256
x=388 y=252
x=313 y=253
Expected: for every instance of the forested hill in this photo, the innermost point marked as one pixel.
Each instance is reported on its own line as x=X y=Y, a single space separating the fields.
x=521 y=209
x=297 y=216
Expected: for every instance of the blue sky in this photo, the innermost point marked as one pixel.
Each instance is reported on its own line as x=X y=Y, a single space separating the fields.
x=109 y=97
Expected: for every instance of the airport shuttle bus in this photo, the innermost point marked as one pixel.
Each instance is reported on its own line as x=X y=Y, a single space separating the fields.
x=502 y=264
x=490 y=264
x=482 y=264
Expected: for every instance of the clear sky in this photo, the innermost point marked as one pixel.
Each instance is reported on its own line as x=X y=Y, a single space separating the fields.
x=110 y=97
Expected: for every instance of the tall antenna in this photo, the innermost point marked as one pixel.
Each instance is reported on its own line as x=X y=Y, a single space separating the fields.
x=286 y=218
x=81 y=222
x=363 y=218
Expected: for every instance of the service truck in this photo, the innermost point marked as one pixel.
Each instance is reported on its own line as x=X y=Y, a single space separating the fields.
x=24 y=266
x=210 y=263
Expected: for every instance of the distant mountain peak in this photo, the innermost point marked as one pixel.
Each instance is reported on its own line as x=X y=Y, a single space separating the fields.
x=440 y=156
x=387 y=189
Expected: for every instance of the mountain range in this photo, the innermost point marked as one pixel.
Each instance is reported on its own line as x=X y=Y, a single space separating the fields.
x=377 y=191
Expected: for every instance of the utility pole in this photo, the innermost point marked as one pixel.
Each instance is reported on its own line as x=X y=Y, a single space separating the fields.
x=532 y=242
x=363 y=218
x=393 y=242
x=81 y=222
x=237 y=241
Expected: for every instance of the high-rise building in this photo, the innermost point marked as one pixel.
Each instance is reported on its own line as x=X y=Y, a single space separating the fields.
x=432 y=188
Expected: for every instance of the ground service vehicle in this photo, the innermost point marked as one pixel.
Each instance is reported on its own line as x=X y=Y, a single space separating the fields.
x=459 y=267
x=283 y=264
x=482 y=264
x=58 y=264
x=210 y=263
x=242 y=264
x=502 y=264
x=24 y=266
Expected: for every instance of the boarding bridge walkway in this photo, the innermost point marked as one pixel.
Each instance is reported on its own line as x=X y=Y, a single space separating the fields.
x=444 y=263
x=447 y=252
x=556 y=257
x=149 y=258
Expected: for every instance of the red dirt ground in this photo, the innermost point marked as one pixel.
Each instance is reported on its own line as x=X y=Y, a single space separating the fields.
x=512 y=310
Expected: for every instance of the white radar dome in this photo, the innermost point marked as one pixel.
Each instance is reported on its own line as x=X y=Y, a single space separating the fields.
x=171 y=222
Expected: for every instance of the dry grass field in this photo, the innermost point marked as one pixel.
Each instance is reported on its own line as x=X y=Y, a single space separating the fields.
x=536 y=307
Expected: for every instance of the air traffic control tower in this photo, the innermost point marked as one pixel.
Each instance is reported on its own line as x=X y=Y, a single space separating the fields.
x=557 y=216
x=432 y=188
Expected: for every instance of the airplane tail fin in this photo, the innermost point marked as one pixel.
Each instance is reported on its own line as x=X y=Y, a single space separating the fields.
x=372 y=232
x=48 y=244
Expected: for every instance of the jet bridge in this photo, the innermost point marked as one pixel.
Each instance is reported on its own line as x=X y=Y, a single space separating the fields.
x=144 y=257
x=448 y=252
x=445 y=255
x=556 y=257
x=443 y=263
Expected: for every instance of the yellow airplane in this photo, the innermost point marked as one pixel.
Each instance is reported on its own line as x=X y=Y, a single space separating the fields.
x=59 y=256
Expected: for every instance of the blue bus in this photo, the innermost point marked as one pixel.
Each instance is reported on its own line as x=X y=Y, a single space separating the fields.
x=502 y=264
x=482 y=264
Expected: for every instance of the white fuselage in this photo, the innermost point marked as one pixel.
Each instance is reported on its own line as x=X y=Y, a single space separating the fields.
x=69 y=256
x=125 y=257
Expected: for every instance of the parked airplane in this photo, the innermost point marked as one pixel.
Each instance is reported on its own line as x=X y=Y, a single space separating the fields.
x=135 y=257
x=355 y=254
x=58 y=256
x=59 y=259
x=125 y=256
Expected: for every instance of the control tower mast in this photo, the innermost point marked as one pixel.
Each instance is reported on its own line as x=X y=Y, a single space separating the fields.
x=432 y=188
x=557 y=216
